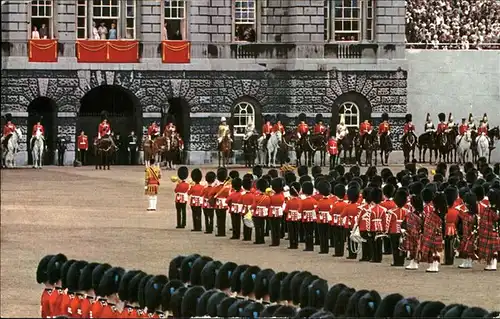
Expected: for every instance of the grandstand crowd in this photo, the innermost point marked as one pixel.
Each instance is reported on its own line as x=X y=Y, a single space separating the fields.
x=453 y=24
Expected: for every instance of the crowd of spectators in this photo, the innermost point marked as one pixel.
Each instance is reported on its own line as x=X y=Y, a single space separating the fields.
x=453 y=24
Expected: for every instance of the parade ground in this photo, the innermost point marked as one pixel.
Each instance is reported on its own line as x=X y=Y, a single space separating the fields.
x=101 y=216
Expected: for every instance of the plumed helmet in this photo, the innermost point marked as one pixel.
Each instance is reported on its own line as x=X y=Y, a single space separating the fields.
x=41 y=270
x=222 y=174
x=257 y=171
x=324 y=188
x=302 y=117
x=210 y=177
x=183 y=173
x=408 y=118
x=308 y=188
x=442 y=117
x=485 y=118
x=223 y=119
x=196 y=175
x=319 y=118
x=236 y=183
x=262 y=185
x=190 y=300
x=428 y=117
x=152 y=292
x=385 y=117
x=54 y=268
x=278 y=184
x=73 y=276
x=450 y=117
x=471 y=118
x=104 y=115
x=342 y=119
x=110 y=281
x=400 y=197
x=8 y=117
x=451 y=195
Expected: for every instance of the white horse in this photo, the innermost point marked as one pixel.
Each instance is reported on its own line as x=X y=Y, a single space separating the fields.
x=483 y=146
x=273 y=146
x=464 y=146
x=38 y=143
x=9 y=152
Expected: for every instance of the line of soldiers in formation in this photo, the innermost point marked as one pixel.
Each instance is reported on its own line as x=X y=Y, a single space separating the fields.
x=199 y=286
x=407 y=215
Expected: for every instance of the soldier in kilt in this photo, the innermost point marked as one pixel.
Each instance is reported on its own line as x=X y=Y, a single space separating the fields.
x=432 y=239
x=412 y=231
x=468 y=230
x=488 y=243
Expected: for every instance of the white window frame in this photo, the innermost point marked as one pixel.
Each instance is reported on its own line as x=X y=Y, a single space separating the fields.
x=113 y=4
x=130 y=27
x=347 y=109
x=365 y=19
x=245 y=21
x=82 y=4
x=177 y=13
x=242 y=110
x=38 y=4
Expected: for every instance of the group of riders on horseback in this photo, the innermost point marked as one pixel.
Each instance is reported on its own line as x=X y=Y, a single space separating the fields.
x=168 y=145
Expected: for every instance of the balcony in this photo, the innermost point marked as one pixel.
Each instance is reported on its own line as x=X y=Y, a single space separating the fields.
x=42 y=50
x=107 y=51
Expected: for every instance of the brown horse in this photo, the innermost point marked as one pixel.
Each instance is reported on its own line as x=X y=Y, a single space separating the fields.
x=103 y=151
x=172 y=150
x=154 y=149
x=319 y=141
x=224 y=151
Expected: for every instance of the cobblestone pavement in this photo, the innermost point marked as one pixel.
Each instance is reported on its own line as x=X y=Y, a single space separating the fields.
x=101 y=216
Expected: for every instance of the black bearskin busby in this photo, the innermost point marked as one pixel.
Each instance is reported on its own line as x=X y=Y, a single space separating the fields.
x=376 y=195
x=123 y=289
x=223 y=278
x=64 y=272
x=110 y=281
x=388 y=191
x=262 y=185
x=208 y=274
x=54 y=268
x=41 y=270
x=222 y=174
x=451 y=195
x=479 y=191
x=275 y=285
x=353 y=194
x=190 y=300
x=302 y=117
x=387 y=306
x=405 y=308
x=302 y=170
x=308 y=188
x=319 y=118
x=186 y=266
x=269 y=311
x=199 y=263
x=236 y=278
x=277 y=185
x=248 y=280
x=306 y=312
x=176 y=302
x=295 y=285
x=285 y=312
x=237 y=308
x=210 y=177
x=408 y=118
x=234 y=174
x=285 y=287
x=201 y=305
x=183 y=173
x=351 y=310
x=342 y=301
x=317 y=293
x=168 y=290
x=253 y=310
x=442 y=117
x=73 y=276
x=332 y=295
x=262 y=282
x=427 y=195
x=324 y=188
x=152 y=292
x=257 y=171
x=417 y=203
x=104 y=115
x=290 y=177
x=196 y=175
x=273 y=173
x=8 y=117
x=432 y=309
x=174 y=268
x=236 y=184
x=85 y=281
x=223 y=306
x=369 y=304
x=400 y=198
x=385 y=117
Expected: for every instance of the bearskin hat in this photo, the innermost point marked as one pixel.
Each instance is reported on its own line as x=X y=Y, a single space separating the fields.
x=479 y=191
x=257 y=171
x=190 y=300
x=304 y=290
x=302 y=117
x=73 y=276
x=386 y=307
x=222 y=174
x=455 y=311
x=285 y=312
x=353 y=194
x=302 y=170
x=248 y=280
x=236 y=278
x=388 y=190
x=308 y=188
x=405 y=308
x=196 y=175
x=304 y=179
x=295 y=189
x=277 y=185
x=210 y=177
x=279 y=118
x=432 y=309
x=168 y=290
x=295 y=285
x=176 y=302
x=442 y=117
x=85 y=280
x=385 y=173
x=170 y=118
x=110 y=281
x=174 y=268
x=440 y=204
x=471 y=176
x=236 y=183
x=126 y=283
x=385 y=117
x=41 y=270
x=213 y=302
x=247 y=184
x=417 y=203
x=317 y=293
x=332 y=295
x=201 y=305
x=269 y=311
x=253 y=310
x=369 y=304
x=342 y=301
x=275 y=285
x=234 y=174
x=209 y=273
x=290 y=177
x=446 y=308
x=319 y=118
x=400 y=198
x=339 y=191
x=427 y=195
x=54 y=267
x=324 y=188
x=451 y=194
x=104 y=115
x=186 y=266
x=352 y=304
x=408 y=118
x=315 y=171
x=237 y=308
x=183 y=173
x=267 y=118
x=262 y=282
x=285 y=287
x=8 y=117
x=199 y=263
x=152 y=293
x=262 y=185
x=224 y=305
x=494 y=198
x=223 y=277
x=267 y=178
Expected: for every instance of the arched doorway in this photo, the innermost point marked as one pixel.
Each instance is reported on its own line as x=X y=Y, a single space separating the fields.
x=43 y=109
x=355 y=107
x=124 y=115
x=178 y=109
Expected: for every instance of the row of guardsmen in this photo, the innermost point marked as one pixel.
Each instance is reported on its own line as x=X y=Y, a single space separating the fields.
x=406 y=215
x=200 y=287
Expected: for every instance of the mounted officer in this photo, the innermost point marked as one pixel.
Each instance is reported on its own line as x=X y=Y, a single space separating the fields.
x=409 y=128
x=279 y=125
x=451 y=123
x=38 y=127
x=8 y=129
x=170 y=126
x=104 y=130
x=223 y=131
x=153 y=131
x=342 y=130
x=471 y=123
x=132 y=148
x=384 y=129
x=302 y=127
x=249 y=131
x=429 y=126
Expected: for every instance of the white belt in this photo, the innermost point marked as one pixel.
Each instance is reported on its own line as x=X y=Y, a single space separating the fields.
x=197 y=199
x=262 y=210
x=295 y=214
x=311 y=213
x=221 y=201
x=83 y=143
x=237 y=208
x=327 y=214
x=277 y=210
x=336 y=218
x=181 y=197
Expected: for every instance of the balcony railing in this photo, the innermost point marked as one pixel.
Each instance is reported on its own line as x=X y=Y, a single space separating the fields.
x=204 y=50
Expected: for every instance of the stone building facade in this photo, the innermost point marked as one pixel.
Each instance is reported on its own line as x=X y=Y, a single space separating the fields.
x=291 y=69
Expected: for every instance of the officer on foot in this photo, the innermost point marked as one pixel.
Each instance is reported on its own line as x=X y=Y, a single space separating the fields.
x=132 y=148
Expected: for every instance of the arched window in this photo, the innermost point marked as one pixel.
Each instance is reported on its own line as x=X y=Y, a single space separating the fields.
x=244 y=112
x=351 y=114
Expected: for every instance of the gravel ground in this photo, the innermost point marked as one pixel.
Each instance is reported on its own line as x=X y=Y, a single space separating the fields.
x=101 y=216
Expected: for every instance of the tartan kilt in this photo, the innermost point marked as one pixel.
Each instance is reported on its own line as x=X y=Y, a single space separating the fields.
x=411 y=243
x=467 y=247
x=487 y=246
x=431 y=244
x=151 y=190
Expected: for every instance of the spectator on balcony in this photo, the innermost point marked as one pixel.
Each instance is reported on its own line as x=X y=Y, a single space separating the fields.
x=43 y=32
x=95 y=32
x=113 y=34
x=103 y=31
x=35 y=35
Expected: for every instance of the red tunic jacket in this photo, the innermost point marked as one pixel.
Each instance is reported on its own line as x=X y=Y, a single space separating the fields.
x=377 y=214
x=325 y=210
x=207 y=193
x=308 y=210
x=302 y=128
x=109 y=311
x=267 y=128
x=181 y=192
x=277 y=205
x=332 y=147
x=292 y=209
x=247 y=201
x=38 y=127
x=320 y=129
x=83 y=142
x=393 y=220
x=482 y=130
x=261 y=204
x=8 y=128
x=86 y=306
x=451 y=220
x=337 y=209
x=234 y=202
x=221 y=193
x=442 y=127
x=409 y=127
x=364 y=128
x=104 y=129
x=153 y=130
x=364 y=215
x=349 y=215
x=196 y=193
x=55 y=302
x=45 y=303
x=463 y=128
x=279 y=127
x=383 y=128
x=75 y=310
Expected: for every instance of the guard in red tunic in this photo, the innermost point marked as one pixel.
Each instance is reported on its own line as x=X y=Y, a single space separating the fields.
x=104 y=129
x=208 y=203
x=451 y=220
x=235 y=207
x=153 y=131
x=260 y=210
x=67 y=295
x=37 y=129
x=388 y=203
x=308 y=211
x=293 y=216
x=108 y=287
x=267 y=128
x=99 y=301
x=83 y=146
x=432 y=237
x=324 y=216
x=247 y=198
x=76 y=295
x=320 y=128
x=181 y=196
x=336 y=225
x=377 y=226
x=85 y=285
x=8 y=129
x=170 y=126
x=364 y=128
x=302 y=127
x=42 y=278
x=384 y=130
x=54 y=270
x=220 y=193
x=488 y=243
x=152 y=295
x=468 y=231
x=279 y=125
x=196 y=198
x=333 y=151
x=411 y=230
x=276 y=210
x=482 y=131
x=409 y=127
x=442 y=126
x=349 y=218
x=393 y=220
x=464 y=127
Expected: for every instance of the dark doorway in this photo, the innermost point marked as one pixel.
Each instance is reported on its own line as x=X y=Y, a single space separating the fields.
x=44 y=109
x=349 y=103
x=179 y=109
x=124 y=115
